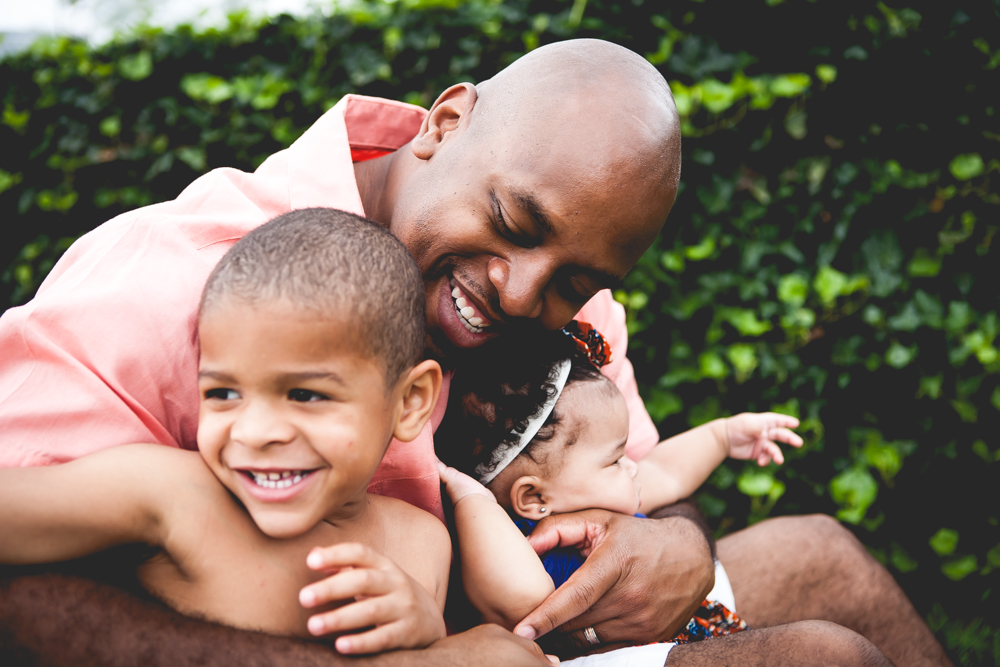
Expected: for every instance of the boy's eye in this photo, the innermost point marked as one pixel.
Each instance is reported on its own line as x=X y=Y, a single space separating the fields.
x=222 y=394
x=305 y=396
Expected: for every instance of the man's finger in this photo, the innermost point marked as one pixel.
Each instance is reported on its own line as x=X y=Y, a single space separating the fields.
x=585 y=587
x=564 y=530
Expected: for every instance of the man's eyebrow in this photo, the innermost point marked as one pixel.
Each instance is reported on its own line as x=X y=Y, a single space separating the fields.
x=530 y=205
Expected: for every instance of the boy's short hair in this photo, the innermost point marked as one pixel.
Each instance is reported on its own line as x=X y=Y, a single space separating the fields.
x=339 y=265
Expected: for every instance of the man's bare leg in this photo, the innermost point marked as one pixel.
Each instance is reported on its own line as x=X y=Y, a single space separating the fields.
x=809 y=643
x=796 y=568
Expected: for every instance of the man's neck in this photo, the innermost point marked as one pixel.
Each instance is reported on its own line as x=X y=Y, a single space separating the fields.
x=374 y=186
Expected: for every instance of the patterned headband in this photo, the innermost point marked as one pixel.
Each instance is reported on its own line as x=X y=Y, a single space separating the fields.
x=592 y=344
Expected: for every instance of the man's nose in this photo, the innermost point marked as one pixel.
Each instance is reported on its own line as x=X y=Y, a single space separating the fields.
x=520 y=284
x=259 y=424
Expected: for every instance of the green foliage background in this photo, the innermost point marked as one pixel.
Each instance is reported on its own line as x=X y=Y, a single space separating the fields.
x=829 y=255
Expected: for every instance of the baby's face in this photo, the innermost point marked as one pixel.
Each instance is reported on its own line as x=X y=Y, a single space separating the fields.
x=593 y=471
x=293 y=420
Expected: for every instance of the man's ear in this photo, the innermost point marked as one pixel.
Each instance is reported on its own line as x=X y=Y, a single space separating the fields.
x=420 y=390
x=450 y=111
x=526 y=497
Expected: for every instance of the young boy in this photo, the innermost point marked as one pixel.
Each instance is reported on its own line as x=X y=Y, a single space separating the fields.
x=311 y=331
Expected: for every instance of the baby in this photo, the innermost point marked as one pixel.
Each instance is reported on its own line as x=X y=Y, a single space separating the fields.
x=311 y=333
x=534 y=429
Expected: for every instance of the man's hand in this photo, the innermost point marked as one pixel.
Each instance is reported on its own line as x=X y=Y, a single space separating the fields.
x=641 y=582
x=403 y=613
x=751 y=436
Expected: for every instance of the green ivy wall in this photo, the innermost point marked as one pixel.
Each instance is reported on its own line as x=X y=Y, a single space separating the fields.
x=829 y=256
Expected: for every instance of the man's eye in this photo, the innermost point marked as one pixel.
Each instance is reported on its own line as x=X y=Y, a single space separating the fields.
x=508 y=233
x=306 y=396
x=222 y=394
x=571 y=290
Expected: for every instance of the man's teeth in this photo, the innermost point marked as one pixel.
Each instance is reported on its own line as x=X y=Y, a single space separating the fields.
x=467 y=312
x=278 y=480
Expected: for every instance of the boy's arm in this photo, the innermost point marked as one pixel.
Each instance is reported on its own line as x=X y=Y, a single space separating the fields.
x=679 y=465
x=502 y=575
x=73 y=509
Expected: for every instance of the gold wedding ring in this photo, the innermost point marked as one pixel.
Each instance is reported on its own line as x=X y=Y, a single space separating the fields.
x=591 y=636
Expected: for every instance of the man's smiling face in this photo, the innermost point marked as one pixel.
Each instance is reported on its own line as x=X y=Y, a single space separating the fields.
x=514 y=229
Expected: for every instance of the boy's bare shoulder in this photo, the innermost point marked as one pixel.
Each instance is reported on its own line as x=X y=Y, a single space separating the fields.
x=402 y=517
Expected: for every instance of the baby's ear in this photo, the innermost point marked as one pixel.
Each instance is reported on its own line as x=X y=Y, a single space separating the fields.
x=420 y=387
x=526 y=498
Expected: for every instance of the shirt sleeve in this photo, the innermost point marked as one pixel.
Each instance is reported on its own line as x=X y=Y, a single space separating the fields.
x=106 y=353
x=608 y=317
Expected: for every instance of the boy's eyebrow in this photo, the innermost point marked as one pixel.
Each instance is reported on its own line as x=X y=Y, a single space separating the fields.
x=314 y=375
x=214 y=375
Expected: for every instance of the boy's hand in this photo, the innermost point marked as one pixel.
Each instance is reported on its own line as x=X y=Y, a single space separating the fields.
x=753 y=436
x=459 y=485
x=403 y=614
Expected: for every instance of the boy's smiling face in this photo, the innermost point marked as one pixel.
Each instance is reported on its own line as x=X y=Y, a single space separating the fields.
x=294 y=420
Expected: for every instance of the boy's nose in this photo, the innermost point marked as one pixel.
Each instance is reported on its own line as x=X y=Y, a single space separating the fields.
x=257 y=426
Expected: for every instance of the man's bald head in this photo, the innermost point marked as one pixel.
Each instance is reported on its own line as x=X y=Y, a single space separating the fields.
x=605 y=94
x=523 y=197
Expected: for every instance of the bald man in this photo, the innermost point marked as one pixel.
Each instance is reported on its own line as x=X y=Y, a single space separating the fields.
x=521 y=199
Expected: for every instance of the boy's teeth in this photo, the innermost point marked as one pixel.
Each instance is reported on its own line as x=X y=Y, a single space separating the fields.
x=278 y=480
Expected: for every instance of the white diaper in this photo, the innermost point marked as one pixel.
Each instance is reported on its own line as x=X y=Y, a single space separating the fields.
x=655 y=655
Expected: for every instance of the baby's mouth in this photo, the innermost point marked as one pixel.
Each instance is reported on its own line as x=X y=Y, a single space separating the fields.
x=277 y=480
x=471 y=318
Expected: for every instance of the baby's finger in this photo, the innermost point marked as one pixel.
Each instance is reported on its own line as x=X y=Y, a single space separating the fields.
x=347 y=585
x=343 y=555
x=788 y=437
x=772 y=451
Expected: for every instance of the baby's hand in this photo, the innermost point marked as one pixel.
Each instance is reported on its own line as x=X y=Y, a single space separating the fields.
x=753 y=435
x=459 y=485
x=403 y=613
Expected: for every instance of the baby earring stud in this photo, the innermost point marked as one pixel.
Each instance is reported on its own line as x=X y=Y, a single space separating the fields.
x=542 y=510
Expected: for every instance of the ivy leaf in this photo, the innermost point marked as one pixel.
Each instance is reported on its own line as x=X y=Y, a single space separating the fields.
x=959 y=569
x=944 y=541
x=966 y=166
x=854 y=490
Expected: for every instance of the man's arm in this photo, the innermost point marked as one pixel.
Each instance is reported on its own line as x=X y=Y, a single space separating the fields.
x=62 y=621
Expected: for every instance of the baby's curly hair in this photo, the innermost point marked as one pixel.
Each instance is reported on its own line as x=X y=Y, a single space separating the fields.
x=497 y=390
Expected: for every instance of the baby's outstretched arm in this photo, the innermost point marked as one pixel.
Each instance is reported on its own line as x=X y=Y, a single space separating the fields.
x=501 y=573
x=403 y=612
x=679 y=465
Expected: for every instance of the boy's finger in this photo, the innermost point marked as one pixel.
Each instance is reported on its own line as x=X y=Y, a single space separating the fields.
x=341 y=555
x=347 y=586
x=366 y=613
x=377 y=640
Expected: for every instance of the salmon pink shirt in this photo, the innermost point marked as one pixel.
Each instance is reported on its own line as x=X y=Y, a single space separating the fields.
x=107 y=351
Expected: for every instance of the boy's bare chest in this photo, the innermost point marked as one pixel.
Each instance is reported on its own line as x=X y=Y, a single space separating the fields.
x=227 y=571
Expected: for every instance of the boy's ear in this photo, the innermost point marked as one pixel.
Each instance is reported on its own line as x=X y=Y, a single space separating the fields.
x=526 y=497
x=421 y=387
x=447 y=113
